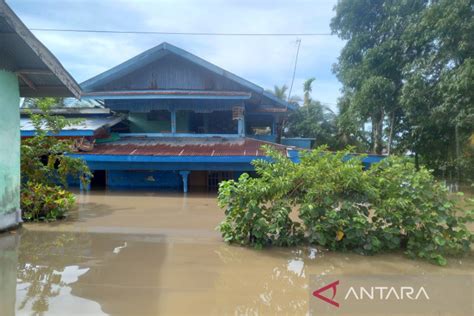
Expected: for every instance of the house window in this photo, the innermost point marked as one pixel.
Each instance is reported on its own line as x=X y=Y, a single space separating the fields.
x=151 y=122
x=259 y=125
x=217 y=122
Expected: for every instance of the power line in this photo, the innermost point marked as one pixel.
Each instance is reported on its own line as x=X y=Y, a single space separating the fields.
x=175 y=33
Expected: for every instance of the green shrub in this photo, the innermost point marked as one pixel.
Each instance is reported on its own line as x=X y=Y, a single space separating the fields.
x=342 y=207
x=45 y=164
x=252 y=218
x=44 y=202
x=416 y=209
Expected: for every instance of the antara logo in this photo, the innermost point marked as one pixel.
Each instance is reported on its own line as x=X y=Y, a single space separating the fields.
x=332 y=286
x=372 y=293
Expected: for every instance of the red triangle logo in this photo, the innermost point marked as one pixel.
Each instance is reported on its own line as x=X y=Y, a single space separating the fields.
x=332 y=286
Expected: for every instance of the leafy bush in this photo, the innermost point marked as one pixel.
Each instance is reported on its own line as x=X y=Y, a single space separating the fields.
x=45 y=165
x=44 y=202
x=338 y=205
x=252 y=217
x=412 y=206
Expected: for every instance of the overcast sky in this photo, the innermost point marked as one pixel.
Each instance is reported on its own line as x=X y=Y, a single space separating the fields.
x=265 y=61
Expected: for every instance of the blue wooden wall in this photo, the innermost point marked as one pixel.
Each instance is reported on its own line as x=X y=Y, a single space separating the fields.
x=144 y=179
x=172 y=72
x=298 y=142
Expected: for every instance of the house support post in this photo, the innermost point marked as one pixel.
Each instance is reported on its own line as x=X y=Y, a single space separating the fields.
x=241 y=126
x=184 y=175
x=274 y=125
x=173 y=121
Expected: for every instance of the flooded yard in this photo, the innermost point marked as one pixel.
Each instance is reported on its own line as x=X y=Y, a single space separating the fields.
x=138 y=253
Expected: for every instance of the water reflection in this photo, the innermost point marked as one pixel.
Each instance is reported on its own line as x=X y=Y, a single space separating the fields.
x=280 y=287
x=131 y=258
x=84 y=268
x=8 y=264
x=122 y=274
x=41 y=264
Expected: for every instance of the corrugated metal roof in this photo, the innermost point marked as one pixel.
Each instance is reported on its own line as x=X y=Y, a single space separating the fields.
x=68 y=111
x=184 y=146
x=87 y=124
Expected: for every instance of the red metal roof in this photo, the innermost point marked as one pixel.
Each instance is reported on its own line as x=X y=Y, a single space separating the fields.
x=180 y=146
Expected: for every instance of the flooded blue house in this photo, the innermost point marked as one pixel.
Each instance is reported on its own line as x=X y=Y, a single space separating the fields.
x=171 y=120
x=187 y=123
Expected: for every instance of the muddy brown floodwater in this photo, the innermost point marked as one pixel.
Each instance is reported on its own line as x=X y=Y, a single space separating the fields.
x=138 y=253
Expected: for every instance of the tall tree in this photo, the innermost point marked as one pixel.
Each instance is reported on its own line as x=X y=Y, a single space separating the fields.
x=307 y=89
x=373 y=59
x=438 y=94
x=408 y=69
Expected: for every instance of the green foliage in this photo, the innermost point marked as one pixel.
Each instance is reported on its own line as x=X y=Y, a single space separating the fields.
x=313 y=120
x=253 y=218
x=328 y=199
x=418 y=210
x=407 y=69
x=31 y=103
x=280 y=92
x=44 y=202
x=44 y=159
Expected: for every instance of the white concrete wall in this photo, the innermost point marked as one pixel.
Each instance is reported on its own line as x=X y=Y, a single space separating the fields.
x=9 y=150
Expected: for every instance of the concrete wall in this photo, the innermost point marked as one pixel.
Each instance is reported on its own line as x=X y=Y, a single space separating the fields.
x=9 y=150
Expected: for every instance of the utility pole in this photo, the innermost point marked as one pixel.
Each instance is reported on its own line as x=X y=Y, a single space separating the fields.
x=298 y=43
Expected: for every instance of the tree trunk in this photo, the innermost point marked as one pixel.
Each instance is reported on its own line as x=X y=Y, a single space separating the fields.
x=279 y=129
x=458 y=151
x=390 y=134
x=377 y=131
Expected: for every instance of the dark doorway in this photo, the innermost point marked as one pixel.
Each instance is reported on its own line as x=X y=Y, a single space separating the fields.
x=99 y=180
x=215 y=177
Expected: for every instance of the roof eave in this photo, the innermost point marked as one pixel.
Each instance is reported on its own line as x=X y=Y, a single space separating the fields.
x=40 y=50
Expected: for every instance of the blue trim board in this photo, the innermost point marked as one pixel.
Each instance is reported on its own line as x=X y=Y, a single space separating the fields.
x=179 y=163
x=101 y=165
x=164 y=96
x=151 y=135
x=294 y=156
x=193 y=163
x=167 y=159
x=64 y=133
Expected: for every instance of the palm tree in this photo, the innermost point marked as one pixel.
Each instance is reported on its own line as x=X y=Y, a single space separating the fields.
x=307 y=90
x=280 y=92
